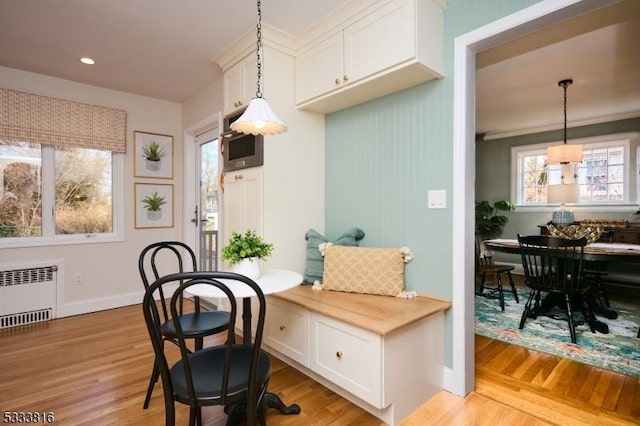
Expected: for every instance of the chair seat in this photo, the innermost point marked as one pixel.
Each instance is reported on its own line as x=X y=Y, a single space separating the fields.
x=203 y=323
x=207 y=367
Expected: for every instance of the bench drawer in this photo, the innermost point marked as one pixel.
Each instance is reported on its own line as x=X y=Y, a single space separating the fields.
x=348 y=356
x=287 y=330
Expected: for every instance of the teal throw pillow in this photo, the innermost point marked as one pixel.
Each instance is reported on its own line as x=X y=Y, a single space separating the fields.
x=315 y=261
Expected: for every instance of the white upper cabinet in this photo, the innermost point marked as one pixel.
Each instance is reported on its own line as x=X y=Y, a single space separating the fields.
x=320 y=69
x=240 y=84
x=386 y=46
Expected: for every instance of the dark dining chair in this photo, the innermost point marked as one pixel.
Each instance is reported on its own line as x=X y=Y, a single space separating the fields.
x=489 y=275
x=229 y=374
x=554 y=266
x=162 y=258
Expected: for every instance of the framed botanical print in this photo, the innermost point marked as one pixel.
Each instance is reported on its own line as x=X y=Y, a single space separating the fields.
x=153 y=156
x=153 y=205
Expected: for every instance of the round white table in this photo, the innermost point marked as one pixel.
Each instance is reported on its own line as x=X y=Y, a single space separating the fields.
x=270 y=281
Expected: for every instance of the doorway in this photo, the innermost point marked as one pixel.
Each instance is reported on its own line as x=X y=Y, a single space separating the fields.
x=466 y=47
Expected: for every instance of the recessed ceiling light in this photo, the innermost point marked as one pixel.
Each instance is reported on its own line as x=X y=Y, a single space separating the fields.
x=87 y=61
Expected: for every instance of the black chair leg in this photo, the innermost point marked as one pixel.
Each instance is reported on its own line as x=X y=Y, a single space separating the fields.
x=193 y=415
x=527 y=308
x=572 y=327
x=482 y=282
x=500 y=293
x=155 y=375
x=513 y=287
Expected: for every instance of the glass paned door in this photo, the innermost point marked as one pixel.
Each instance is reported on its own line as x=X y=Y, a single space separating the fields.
x=208 y=161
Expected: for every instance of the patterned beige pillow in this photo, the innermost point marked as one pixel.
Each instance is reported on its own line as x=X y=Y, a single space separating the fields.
x=364 y=270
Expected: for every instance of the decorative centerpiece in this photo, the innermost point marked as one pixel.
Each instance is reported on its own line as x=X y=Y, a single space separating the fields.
x=575 y=232
x=245 y=251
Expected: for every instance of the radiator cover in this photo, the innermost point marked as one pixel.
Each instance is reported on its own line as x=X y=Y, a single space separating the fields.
x=27 y=295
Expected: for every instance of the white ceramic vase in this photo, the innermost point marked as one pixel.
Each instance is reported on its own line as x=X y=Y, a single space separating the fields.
x=249 y=267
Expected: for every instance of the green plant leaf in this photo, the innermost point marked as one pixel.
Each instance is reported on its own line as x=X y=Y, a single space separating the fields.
x=247 y=245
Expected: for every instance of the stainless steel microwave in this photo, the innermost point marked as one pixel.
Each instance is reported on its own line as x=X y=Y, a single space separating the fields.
x=239 y=150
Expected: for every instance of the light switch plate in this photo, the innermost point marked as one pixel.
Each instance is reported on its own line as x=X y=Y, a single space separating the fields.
x=437 y=199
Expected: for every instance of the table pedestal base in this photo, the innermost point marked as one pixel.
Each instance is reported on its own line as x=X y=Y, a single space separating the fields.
x=237 y=412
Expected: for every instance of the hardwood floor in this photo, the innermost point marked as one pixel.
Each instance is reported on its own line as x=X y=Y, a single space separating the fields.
x=94 y=369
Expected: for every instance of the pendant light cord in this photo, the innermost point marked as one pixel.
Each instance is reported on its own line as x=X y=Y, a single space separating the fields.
x=565 y=84
x=565 y=112
x=259 y=59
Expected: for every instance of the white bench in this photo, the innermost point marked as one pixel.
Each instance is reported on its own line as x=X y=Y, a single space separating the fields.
x=382 y=353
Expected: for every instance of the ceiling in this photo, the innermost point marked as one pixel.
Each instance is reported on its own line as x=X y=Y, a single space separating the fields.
x=157 y=48
x=164 y=49
x=517 y=83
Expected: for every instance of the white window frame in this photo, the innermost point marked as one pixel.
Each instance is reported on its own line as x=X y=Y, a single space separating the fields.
x=48 y=237
x=630 y=185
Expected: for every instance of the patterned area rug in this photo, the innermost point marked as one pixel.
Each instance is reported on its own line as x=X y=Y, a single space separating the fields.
x=617 y=351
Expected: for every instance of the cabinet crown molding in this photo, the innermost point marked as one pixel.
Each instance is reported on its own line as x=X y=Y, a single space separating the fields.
x=246 y=44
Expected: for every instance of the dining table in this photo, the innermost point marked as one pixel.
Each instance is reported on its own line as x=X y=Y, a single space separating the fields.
x=609 y=252
x=270 y=281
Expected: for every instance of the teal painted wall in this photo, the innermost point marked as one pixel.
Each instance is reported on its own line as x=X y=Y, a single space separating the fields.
x=383 y=156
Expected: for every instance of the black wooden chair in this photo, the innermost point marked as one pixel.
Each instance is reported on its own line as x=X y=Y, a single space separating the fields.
x=554 y=266
x=166 y=257
x=229 y=374
x=489 y=276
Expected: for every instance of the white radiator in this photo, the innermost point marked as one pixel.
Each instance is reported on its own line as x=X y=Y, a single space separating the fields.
x=27 y=294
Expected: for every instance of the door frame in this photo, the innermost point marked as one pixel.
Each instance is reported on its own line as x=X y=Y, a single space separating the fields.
x=190 y=180
x=461 y=378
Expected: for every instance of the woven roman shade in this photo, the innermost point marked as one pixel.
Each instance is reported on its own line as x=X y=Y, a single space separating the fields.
x=64 y=124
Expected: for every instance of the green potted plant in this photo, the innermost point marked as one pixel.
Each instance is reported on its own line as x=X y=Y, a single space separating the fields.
x=245 y=251
x=153 y=203
x=153 y=153
x=489 y=223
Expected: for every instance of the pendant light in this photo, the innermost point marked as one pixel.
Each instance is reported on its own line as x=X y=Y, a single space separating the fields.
x=564 y=154
x=258 y=118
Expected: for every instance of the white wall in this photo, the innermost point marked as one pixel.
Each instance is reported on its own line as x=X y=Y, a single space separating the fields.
x=109 y=271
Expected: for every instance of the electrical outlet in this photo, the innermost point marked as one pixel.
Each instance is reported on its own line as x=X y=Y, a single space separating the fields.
x=78 y=279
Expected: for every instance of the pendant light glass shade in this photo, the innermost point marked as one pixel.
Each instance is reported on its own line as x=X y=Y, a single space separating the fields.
x=564 y=154
x=258 y=119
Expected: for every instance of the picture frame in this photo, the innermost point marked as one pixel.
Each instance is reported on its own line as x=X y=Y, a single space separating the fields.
x=153 y=205
x=153 y=156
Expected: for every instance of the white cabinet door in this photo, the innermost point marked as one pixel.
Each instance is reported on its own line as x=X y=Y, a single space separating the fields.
x=287 y=330
x=319 y=69
x=380 y=40
x=239 y=84
x=243 y=202
x=349 y=356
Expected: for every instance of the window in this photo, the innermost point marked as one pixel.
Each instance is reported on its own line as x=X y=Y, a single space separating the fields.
x=61 y=171
x=603 y=175
x=51 y=195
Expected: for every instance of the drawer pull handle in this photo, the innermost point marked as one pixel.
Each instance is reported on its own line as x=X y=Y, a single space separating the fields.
x=282 y=327
x=239 y=177
x=337 y=81
x=339 y=354
x=345 y=77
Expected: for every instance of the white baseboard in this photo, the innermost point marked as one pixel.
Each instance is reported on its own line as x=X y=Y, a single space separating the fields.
x=99 y=304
